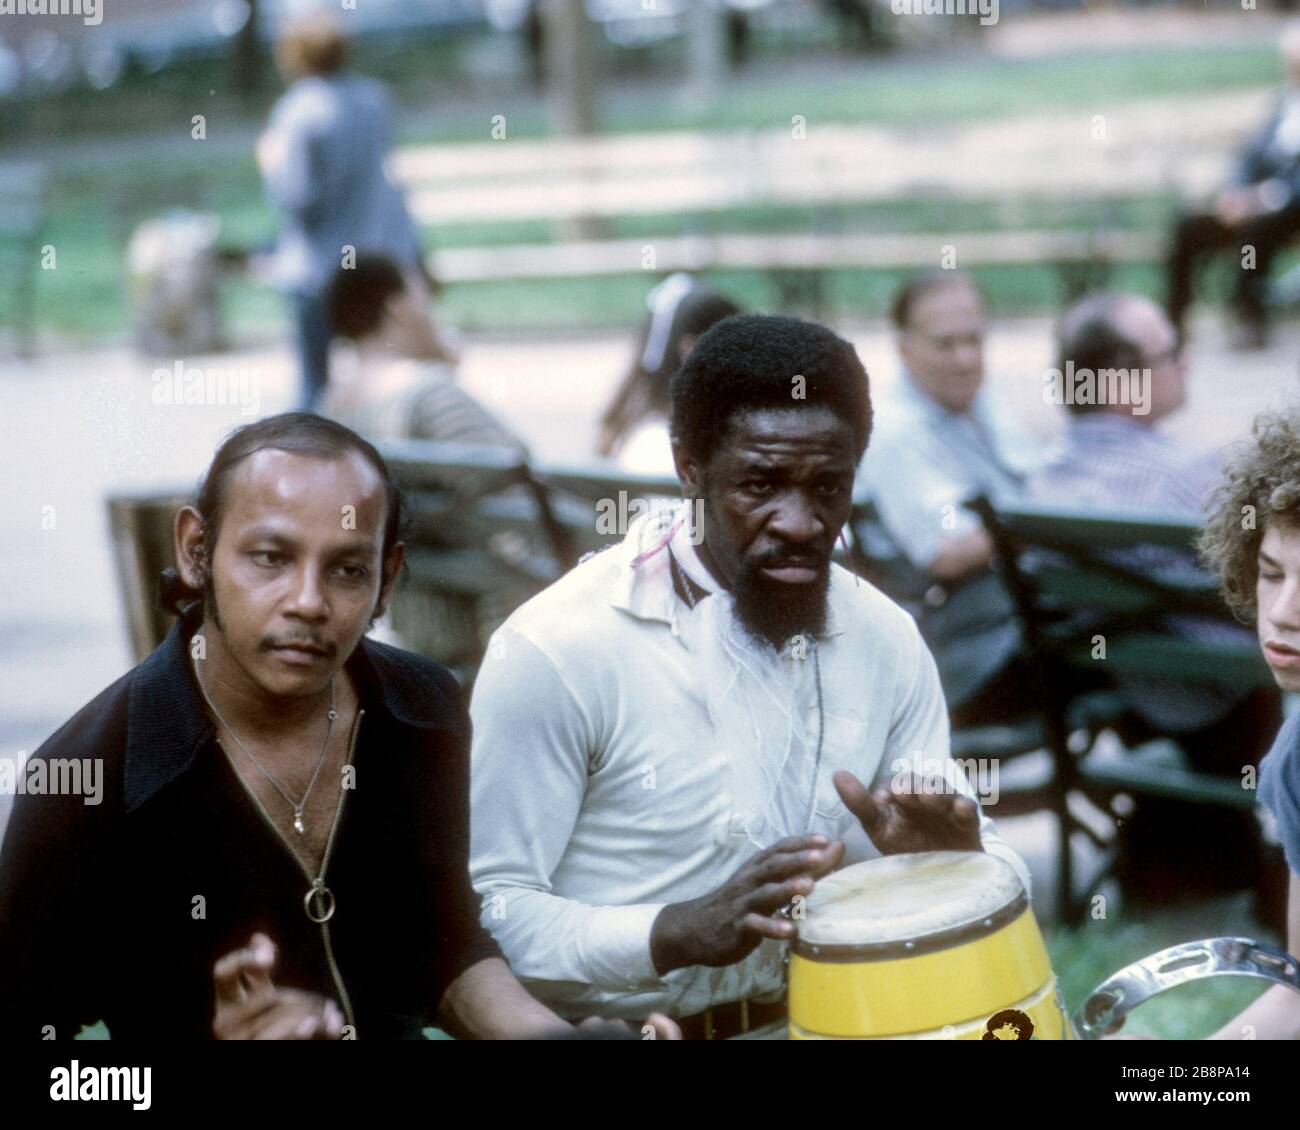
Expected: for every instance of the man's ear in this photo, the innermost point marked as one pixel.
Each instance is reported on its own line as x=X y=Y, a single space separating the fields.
x=189 y=540
x=689 y=472
x=392 y=570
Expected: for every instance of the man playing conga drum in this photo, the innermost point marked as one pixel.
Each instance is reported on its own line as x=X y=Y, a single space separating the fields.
x=671 y=742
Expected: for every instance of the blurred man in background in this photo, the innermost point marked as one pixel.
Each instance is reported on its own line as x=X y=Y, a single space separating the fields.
x=1115 y=457
x=940 y=441
x=323 y=161
x=403 y=385
x=1259 y=210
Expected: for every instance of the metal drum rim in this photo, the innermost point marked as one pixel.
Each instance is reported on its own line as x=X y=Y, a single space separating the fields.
x=948 y=938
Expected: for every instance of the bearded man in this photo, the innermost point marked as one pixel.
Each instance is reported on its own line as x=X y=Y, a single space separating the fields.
x=673 y=740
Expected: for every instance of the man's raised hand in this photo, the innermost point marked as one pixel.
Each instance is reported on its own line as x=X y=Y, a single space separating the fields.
x=912 y=820
x=727 y=924
x=251 y=1007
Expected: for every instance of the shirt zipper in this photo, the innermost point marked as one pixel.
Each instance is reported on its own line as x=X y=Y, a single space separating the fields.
x=318 y=882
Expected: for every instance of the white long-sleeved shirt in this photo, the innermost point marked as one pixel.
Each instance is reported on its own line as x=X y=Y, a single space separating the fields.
x=597 y=793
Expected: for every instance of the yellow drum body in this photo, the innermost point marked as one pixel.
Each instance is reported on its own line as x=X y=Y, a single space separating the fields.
x=924 y=946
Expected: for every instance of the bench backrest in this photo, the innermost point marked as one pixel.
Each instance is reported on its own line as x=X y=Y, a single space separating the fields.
x=141 y=529
x=486 y=530
x=1128 y=583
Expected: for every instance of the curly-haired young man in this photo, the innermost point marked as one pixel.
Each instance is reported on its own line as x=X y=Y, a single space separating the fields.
x=1252 y=541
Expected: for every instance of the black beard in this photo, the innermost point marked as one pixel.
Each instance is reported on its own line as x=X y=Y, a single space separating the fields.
x=773 y=611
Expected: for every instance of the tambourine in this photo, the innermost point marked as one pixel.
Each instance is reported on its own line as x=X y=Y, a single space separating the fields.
x=1104 y=1012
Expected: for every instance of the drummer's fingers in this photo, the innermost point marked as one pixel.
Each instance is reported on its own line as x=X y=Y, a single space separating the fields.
x=828 y=859
x=790 y=845
x=776 y=928
x=946 y=807
x=755 y=866
x=771 y=897
x=912 y=794
x=814 y=861
x=856 y=798
x=965 y=811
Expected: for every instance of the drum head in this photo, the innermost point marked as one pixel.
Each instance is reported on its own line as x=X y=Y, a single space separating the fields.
x=909 y=903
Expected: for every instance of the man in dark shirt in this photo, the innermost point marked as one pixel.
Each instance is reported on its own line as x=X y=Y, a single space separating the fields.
x=281 y=847
x=1254 y=218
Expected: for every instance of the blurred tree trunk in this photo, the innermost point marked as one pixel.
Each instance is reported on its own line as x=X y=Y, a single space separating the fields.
x=248 y=64
x=569 y=48
x=707 y=50
x=570 y=67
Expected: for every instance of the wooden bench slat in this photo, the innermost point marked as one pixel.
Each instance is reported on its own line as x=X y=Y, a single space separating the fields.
x=794 y=252
x=1056 y=527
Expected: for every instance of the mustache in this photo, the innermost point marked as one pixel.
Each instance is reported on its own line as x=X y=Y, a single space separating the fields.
x=309 y=643
x=810 y=557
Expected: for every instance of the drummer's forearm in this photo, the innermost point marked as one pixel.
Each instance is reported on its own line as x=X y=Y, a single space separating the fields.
x=1275 y=1016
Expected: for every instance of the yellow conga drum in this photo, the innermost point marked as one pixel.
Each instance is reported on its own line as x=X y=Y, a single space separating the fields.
x=931 y=945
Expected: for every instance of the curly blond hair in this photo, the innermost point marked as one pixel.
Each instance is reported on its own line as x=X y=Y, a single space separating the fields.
x=1261 y=484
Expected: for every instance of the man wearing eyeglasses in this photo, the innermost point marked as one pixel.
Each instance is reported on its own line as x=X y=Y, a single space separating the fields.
x=941 y=441
x=1120 y=373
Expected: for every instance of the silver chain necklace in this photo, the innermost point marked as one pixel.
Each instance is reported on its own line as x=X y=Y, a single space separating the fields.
x=299 y=825
x=679 y=571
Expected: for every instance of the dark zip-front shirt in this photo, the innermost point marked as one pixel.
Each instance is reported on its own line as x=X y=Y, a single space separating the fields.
x=117 y=911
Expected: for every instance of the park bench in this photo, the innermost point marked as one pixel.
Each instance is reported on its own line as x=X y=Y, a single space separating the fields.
x=584 y=184
x=24 y=189
x=502 y=533
x=1018 y=745
x=1075 y=581
x=798 y=264
x=140 y=525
